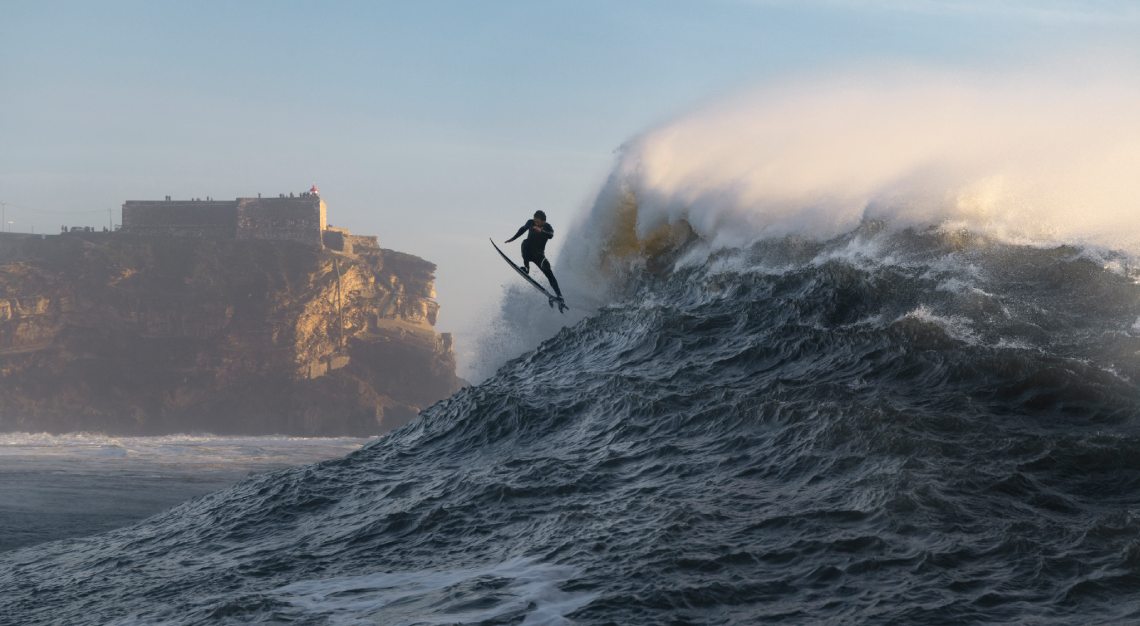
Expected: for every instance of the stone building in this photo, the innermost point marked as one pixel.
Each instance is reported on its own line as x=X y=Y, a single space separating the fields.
x=285 y=218
x=341 y=240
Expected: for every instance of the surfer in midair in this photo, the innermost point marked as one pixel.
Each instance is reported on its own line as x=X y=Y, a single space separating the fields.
x=538 y=232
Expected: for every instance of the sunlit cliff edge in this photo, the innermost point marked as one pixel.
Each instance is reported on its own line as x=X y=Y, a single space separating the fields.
x=130 y=333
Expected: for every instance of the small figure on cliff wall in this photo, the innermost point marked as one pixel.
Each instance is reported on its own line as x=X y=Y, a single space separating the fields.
x=534 y=247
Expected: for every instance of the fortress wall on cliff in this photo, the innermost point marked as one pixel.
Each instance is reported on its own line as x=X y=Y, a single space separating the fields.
x=300 y=218
x=282 y=219
x=341 y=240
x=201 y=219
x=362 y=243
x=335 y=239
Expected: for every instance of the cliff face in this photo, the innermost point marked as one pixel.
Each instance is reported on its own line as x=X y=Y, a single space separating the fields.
x=145 y=335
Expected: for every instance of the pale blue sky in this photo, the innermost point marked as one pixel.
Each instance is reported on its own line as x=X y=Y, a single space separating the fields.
x=433 y=124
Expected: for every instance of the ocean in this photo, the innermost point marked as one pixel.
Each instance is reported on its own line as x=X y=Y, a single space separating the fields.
x=886 y=427
x=835 y=354
x=59 y=486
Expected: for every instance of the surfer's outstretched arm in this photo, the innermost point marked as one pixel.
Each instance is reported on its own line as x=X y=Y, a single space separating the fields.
x=522 y=230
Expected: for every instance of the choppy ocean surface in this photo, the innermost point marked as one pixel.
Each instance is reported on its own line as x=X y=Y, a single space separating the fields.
x=59 y=486
x=863 y=351
x=913 y=427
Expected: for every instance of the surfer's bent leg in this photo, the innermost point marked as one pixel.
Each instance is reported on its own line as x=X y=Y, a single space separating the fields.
x=526 y=257
x=544 y=265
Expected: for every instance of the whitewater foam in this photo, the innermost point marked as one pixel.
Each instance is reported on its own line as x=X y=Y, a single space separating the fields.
x=176 y=449
x=959 y=286
x=955 y=326
x=1025 y=159
x=513 y=588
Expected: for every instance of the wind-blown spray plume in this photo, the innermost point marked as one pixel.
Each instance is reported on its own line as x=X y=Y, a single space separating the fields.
x=1032 y=159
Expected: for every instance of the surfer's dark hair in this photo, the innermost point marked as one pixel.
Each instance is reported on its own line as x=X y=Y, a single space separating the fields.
x=540 y=215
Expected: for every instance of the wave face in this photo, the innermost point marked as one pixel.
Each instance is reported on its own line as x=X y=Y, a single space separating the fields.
x=887 y=426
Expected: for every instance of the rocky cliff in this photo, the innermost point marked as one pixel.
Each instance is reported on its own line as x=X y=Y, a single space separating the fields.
x=143 y=335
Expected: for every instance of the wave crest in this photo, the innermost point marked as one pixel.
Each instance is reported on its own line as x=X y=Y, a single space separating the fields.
x=1026 y=160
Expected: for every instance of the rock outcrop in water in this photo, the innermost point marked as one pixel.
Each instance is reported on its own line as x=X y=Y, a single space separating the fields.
x=133 y=334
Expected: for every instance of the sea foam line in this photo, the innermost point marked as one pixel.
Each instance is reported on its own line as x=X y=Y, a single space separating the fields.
x=429 y=596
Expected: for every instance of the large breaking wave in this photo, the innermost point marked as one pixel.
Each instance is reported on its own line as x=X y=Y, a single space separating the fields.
x=816 y=404
x=1039 y=160
x=1025 y=160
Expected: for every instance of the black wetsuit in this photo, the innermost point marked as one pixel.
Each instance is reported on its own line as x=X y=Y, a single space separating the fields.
x=534 y=250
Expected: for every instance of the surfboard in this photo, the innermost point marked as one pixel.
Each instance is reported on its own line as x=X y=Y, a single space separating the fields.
x=552 y=299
